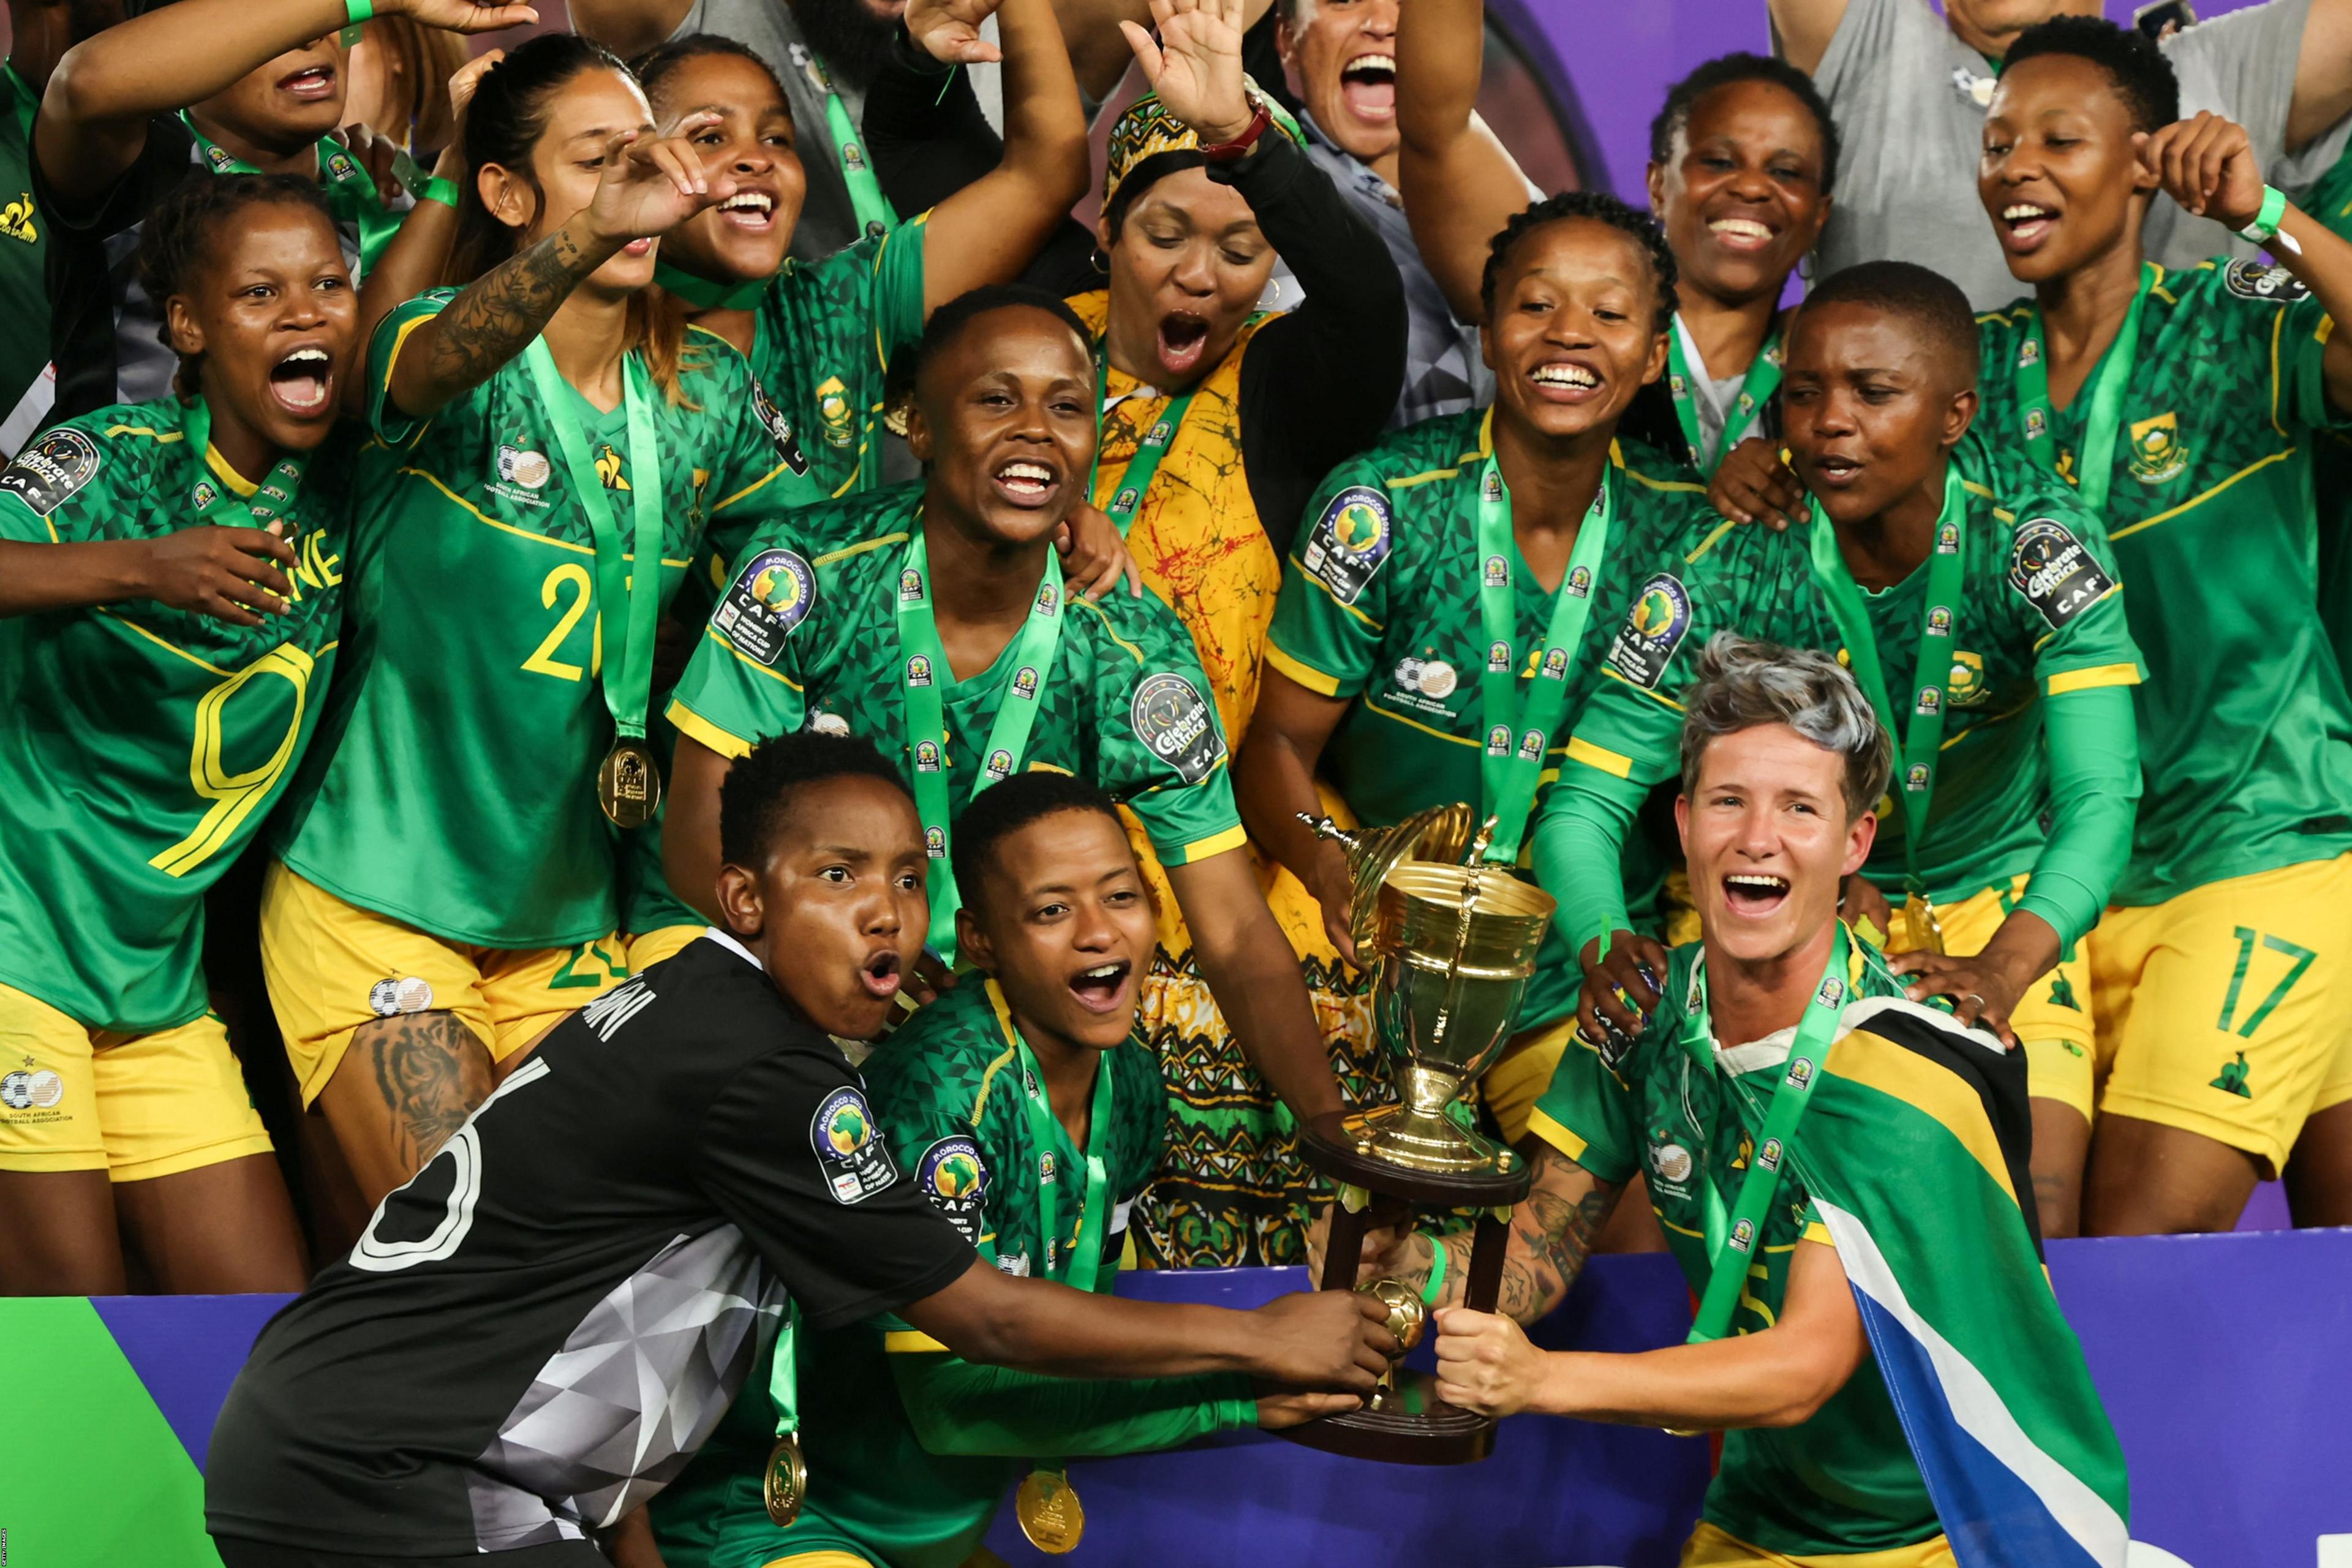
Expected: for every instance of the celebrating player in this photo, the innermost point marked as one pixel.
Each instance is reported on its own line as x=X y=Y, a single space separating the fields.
x=1825 y=1155
x=534 y=1336
x=1437 y=631
x=934 y=617
x=1978 y=604
x=171 y=578
x=1031 y=1116
x=2185 y=408
x=445 y=888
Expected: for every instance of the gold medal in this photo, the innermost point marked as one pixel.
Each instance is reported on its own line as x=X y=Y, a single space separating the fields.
x=1926 y=928
x=628 y=785
x=1047 y=1509
x=785 y=1486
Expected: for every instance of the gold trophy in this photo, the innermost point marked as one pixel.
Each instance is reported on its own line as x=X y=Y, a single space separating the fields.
x=1454 y=945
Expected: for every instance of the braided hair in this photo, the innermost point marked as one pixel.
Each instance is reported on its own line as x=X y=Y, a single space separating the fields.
x=178 y=236
x=1646 y=232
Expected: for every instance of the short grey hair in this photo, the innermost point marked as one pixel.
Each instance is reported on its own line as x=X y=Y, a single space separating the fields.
x=1745 y=682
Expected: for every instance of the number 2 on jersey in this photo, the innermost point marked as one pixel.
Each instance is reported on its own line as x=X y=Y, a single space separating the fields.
x=573 y=576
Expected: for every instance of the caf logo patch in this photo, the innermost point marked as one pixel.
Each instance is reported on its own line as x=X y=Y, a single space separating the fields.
x=1498 y=741
x=919 y=670
x=1801 y=1073
x=910 y=586
x=1025 y=681
x=1000 y=764
x=954 y=1177
x=1654 y=629
x=1931 y=701
x=770 y=597
x=2037 y=425
x=1769 y=1157
x=2028 y=353
x=1349 y=542
x=1048 y=601
x=1499 y=657
x=1126 y=499
x=854 y=1158
x=1532 y=745
x=935 y=843
x=1555 y=664
x=1939 y=622
x=2158 y=453
x=2058 y=577
x=1498 y=572
x=1915 y=776
x=1175 y=724
x=1579 y=583
x=926 y=756
x=1743 y=1235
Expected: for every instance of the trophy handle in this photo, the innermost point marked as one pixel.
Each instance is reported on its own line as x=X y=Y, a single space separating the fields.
x=1473 y=872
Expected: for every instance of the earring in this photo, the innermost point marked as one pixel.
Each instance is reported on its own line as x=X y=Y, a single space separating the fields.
x=1099 y=261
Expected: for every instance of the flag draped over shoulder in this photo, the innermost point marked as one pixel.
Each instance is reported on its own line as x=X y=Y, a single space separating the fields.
x=1913 y=1148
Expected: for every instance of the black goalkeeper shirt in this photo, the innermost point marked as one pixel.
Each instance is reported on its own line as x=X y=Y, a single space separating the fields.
x=535 y=1334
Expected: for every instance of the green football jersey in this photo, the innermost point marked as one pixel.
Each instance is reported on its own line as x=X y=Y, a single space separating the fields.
x=1845 y=1480
x=807 y=636
x=457 y=793
x=823 y=335
x=1388 y=616
x=2330 y=201
x=946 y=1092
x=25 y=387
x=142 y=747
x=2245 y=730
x=2040 y=612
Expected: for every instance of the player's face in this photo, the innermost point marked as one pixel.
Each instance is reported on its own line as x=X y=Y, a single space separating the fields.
x=1068 y=930
x=1768 y=840
x=1741 y=192
x=1573 y=334
x=838 y=913
x=1186 y=269
x=287 y=103
x=1004 y=419
x=745 y=235
x=2059 y=175
x=272 y=311
x=567 y=163
x=1342 y=55
x=1866 y=407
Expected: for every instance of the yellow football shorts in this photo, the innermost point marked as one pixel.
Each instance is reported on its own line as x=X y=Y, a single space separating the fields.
x=135 y=1106
x=332 y=966
x=2227 y=1011
x=2054 y=1020
x=1709 y=1547
x=648 y=948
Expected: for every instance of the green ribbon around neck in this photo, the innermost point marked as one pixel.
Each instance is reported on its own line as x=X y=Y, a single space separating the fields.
x=1135 y=482
x=1756 y=389
x=219 y=505
x=1734 y=1244
x=628 y=573
x=1919 y=742
x=1518 y=728
x=923 y=676
x=876 y=215
x=783 y=1375
x=2095 y=467
x=350 y=194
x=704 y=294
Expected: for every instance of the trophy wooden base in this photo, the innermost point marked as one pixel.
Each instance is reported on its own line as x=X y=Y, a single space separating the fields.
x=1408 y=1424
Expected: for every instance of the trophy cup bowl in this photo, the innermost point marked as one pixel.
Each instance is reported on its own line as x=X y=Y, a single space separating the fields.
x=1441 y=832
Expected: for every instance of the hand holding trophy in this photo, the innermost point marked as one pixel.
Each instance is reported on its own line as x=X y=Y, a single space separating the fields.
x=1454 y=944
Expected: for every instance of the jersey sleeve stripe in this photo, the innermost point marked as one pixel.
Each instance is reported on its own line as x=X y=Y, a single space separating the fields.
x=1103 y=620
x=1668 y=703
x=1306 y=674
x=1541 y=1123
x=752 y=489
x=2278 y=336
x=1709 y=542
x=1413 y=482
x=988 y=1077
x=2197 y=500
x=1817 y=1231
x=1580 y=750
x=1416 y=724
x=1323 y=589
x=903 y=1342
x=751 y=664
x=2067 y=681
x=480 y=516
x=696 y=727
x=1199 y=849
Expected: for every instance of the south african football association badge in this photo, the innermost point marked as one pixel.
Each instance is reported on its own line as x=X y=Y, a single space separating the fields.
x=783 y=1487
x=1048 y=1510
x=628 y=785
x=2157 y=454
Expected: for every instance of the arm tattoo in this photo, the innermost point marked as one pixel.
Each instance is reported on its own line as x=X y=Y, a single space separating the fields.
x=495 y=318
x=1552 y=1236
x=432 y=1072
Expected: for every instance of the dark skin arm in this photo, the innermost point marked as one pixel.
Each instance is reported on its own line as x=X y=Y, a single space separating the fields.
x=627 y=27
x=1255 y=977
x=235 y=574
x=690 y=825
x=1803 y=29
x=1331 y=1340
x=1274 y=780
x=1460 y=186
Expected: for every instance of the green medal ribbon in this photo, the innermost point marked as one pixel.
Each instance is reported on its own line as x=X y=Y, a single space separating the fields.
x=876 y=215
x=783 y=1375
x=1146 y=461
x=352 y=196
x=1080 y=1263
x=923 y=673
x=223 y=508
x=2096 y=467
x=1756 y=389
x=1920 y=744
x=1518 y=730
x=630 y=576
x=704 y=294
x=1732 y=1247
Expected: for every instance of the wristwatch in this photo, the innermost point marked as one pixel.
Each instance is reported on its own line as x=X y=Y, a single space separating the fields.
x=1235 y=151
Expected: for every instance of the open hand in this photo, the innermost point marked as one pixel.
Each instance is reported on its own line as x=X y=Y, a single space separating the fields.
x=1752 y=485
x=1195 y=66
x=377 y=153
x=1622 y=989
x=1983 y=992
x=1334 y=889
x=230 y=574
x=1292 y=1407
x=950 y=29
x=650 y=185
x=2208 y=165
x=1485 y=1363
x=1094 y=556
x=1324 y=1339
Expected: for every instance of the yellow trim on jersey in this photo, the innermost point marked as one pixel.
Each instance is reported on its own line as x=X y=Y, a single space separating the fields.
x=481 y=516
x=824 y=1557
x=2278 y=336
x=1343 y=604
x=1371 y=707
x=1306 y=674
x=1004 y=1057
x=1199 y=849
x=696 y=727
x=1477 y=453
x=1541 y=1123
x=1133 y=652
x=899 y=1342
x=159 y=642
x=164 y=437
x=748 y=490
x=1638 y=476
x=747 y=661
x=1580 y=750
x=1817 y=1231
x=1666 y=703
x=221 y=470
x=1677 y=1229
x=2087 y=680
x=2200 y=499
x=1710 y=541
x=400 y=341
x=1862 y=1057
x=847 y=550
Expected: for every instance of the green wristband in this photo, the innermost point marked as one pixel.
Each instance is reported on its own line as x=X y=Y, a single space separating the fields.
x=437 y=189
x=1435 y=1286
x=2265 y=226
x=358 y=11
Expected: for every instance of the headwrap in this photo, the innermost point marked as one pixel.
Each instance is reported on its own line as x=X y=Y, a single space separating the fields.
x=1148 y=129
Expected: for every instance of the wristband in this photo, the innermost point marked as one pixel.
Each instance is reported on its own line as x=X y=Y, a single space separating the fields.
x=356 y=12
x=2265 y=226
x=1435 y=1286
x=437 y=189
x=1235 y=151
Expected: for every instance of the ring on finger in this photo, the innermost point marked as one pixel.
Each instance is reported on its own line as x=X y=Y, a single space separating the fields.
x=1972 y=996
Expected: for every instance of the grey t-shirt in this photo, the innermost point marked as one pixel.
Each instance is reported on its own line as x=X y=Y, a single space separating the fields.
x=1909 y=98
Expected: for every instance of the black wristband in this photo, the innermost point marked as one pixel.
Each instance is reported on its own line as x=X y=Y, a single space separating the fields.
x=905 y=52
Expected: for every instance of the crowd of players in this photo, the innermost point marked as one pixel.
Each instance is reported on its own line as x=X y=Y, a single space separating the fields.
x=436 y=480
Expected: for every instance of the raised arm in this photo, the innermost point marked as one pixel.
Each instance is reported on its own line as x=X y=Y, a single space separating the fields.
x=627 y=27
x=1459 y=183
x=234 y=574
x=1802 y=29
x=2322 y=73
x=1274 y=780
x=95 y=110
